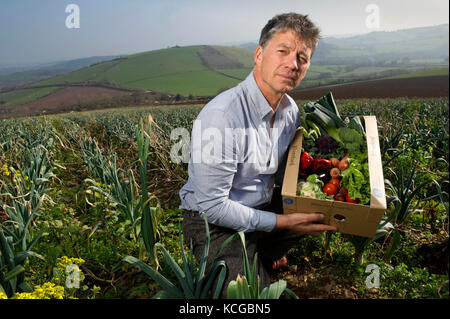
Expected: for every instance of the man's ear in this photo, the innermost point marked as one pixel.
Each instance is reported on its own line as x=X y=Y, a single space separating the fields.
x=257 y=57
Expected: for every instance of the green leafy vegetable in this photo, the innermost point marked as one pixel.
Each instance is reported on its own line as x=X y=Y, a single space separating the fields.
x=356 y=178
x=353 y=141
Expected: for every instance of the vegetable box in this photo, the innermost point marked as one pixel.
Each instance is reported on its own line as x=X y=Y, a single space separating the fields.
x=349 y=218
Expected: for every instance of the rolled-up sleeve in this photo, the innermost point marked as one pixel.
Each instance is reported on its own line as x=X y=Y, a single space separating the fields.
x=212 y=169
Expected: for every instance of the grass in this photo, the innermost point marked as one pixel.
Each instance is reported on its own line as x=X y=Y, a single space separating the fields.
x=23 y=96
x=205 y=83
x=432 y=72
x=172 y=70
x=90 y=73
x=243 y=56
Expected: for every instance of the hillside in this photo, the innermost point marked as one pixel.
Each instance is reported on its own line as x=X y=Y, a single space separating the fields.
x=197 y=70
x=40 y=72
x=202 y=71
x=185 y=71
x=426 y=44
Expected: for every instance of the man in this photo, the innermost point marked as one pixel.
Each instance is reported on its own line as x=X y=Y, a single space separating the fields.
x=238 y=150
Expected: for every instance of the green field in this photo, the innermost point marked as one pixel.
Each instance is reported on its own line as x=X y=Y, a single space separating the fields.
x=203 y=70
x=89 y=73
x=71 y=194
x=174 y=70
x=18 y=97
x=432 y=72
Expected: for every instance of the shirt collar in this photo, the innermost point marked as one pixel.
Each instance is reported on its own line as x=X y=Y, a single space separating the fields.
x=262 y=107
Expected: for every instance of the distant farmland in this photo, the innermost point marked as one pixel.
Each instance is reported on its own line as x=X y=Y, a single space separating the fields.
x=429 y=86
x=425 y=86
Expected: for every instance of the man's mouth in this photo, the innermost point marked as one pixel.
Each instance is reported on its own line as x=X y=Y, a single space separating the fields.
x=288 y=77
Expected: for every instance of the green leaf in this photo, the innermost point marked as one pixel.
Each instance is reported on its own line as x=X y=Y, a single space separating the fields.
x=170 y=288
x=188 y=289
x=21 y=256
x=14 y=272
x=232 y=290
x=395 y=241
x=274 y=291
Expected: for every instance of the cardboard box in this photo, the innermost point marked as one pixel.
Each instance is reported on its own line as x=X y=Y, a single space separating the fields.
x=356 y=219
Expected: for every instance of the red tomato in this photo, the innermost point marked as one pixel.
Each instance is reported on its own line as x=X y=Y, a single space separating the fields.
x=348 y=199
x=343 y=191
x=335 y=182
x=330 y=189
x=339 y=198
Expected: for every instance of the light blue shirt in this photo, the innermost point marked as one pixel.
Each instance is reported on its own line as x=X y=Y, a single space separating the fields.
x=235 y=157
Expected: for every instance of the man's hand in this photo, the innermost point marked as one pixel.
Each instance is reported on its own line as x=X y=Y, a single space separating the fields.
x=303 y=224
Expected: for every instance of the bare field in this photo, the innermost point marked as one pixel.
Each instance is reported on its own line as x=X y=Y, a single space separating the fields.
x=70 y=99
x=427 y=86
x=63 y=100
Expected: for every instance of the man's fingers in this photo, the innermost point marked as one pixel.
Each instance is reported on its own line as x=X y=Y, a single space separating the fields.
x=321 y=227
x=315 y=217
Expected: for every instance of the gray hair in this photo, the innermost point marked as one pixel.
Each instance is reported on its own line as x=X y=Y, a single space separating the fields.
x=300 y=24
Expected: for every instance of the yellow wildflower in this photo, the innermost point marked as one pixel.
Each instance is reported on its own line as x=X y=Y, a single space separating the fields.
x=47 y=291
x=3 y=296
x=65 y=261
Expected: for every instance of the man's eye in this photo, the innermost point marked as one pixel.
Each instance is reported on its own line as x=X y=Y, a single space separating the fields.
x=282 y=51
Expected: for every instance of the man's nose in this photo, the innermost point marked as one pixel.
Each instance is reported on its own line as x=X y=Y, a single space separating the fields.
x=293 y=63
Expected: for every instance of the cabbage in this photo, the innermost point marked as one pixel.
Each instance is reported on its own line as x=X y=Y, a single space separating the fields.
x=353 y=141
x=312 y=188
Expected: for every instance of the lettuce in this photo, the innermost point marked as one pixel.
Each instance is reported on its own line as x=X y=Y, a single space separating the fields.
x=356 y=178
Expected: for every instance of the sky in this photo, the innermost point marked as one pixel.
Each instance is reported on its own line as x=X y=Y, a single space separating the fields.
x=33 y=32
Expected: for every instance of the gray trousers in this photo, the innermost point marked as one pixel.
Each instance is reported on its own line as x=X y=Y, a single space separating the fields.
x=270 y=246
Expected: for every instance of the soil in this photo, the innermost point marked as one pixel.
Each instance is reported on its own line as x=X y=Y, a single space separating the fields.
x=429 y=86
x=434 y=255
x=314 y=283
x=69 y=99
x=64 y=100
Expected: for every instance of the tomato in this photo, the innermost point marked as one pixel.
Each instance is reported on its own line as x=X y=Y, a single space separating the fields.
x=335 y=182
x=348 y=199
x=343 y=191
x=330 y=189
x=339 y=198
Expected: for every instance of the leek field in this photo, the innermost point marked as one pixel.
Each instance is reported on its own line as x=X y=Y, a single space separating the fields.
x=89 y=209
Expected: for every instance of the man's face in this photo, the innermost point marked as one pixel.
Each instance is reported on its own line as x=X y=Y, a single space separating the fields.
x=283 y=63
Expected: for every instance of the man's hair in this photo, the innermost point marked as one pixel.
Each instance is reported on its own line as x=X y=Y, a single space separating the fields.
x=300 y=24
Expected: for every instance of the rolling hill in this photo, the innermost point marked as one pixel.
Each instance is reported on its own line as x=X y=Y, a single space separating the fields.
x=192 y=70
x=205 y=70
x=11 y=76
x=425 y=43
x=197 y=70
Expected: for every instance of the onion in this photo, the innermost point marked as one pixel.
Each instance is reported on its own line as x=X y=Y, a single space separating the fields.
x=334 y=161
x=335 y=172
